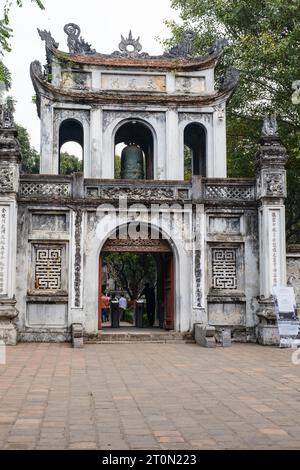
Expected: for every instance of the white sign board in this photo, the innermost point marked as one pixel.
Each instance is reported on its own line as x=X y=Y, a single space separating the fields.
x=288 y=323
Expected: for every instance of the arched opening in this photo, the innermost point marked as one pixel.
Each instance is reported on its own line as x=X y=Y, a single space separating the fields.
x=136 y=134
x=194 y=150
x=137 y=268
x=71 y=141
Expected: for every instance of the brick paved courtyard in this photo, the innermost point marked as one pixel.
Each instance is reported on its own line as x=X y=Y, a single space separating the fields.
x=149 y=396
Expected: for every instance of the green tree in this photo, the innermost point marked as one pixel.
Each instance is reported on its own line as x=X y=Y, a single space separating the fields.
x=30 y=157
x=264 y=40
x=117 y=166
x=5 y=31
x=188 y=165
x=69 y=164
x=131 y=271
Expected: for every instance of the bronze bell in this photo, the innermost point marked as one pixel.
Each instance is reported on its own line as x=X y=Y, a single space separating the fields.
x=132 y=162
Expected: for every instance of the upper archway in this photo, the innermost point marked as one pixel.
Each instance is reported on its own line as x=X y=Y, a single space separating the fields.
x=195 y=140
x=138 y=133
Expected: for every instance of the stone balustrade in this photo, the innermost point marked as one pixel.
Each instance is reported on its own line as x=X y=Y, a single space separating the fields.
x=75 y=187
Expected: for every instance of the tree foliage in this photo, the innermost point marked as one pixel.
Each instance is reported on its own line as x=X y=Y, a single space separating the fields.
x=264 y=40
x=69 y=164
x=131 y=271
x=30 y=157
x=5 y=31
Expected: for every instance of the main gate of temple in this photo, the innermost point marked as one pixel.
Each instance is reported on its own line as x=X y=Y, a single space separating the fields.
x=163 y=255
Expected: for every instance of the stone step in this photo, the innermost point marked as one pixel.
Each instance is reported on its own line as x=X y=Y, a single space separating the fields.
x=128 y=337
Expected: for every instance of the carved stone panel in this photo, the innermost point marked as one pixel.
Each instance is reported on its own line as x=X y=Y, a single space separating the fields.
x=137 y=245
x=137 y=194
x=78 y=258
x=114 y=116
x=49 y=269
x=274 y=223
x=133 y=82
x=7 y=179
x=224 y=268
x=195 y=117
x=77 y=79
x=185 y=84
x=224 y=225
x=273 y=183
x=49 y=222
x=4 y=226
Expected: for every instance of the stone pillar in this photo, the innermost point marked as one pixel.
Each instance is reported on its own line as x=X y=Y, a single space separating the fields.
x=271 y=191
x=174 y=161
x=9 y=182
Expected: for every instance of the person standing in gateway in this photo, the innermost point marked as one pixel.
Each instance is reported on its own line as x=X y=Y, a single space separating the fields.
x=104 y=307
x=149 y=293
x=122 y=306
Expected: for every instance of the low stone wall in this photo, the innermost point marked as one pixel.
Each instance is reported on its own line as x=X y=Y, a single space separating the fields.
x=293 y=270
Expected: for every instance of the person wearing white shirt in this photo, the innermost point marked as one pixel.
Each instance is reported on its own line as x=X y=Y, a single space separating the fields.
x=122 y=306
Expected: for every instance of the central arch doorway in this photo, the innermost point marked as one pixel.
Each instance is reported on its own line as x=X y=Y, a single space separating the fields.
x=156 y=252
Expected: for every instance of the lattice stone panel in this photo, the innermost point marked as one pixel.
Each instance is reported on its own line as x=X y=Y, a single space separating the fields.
x=245 y=192
x=46 y=189
x=48 y=269
x=224 y=272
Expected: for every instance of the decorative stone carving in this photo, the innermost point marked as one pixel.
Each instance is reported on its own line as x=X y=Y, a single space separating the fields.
x=52 y=190
x=195 y=117
x=296 y=92
x=270 y=127
x=136 y=245
x=137 y=194
x=224 y=270
x=240 y=192
x=111 y=116
x=49 y=40
x=230 y=80
x=130 y=47
x=37 y=69
x=220 y=110
x=133 y=82
x=77 y=259
x=274 y=183
x=77 y=80
x=48 y=269
x=4 y=213
x=218 y=46
x=76 y=44
x=197 y=274
x=184 y=48
x=81 y=115
x=7 y=179
x=7 y=110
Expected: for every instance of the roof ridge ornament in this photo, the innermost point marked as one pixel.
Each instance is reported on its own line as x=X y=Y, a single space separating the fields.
x=218 y=46
x=230 y=80
x=184 y=48
x=49 y=40
x=76 y=43
x=7 y=109
x=130 y=47
x=270 y=126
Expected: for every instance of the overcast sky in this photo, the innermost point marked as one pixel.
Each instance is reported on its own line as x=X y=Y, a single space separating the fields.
x=101 y=23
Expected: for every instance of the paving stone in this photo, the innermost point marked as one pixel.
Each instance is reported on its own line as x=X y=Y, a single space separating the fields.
x=149 y=396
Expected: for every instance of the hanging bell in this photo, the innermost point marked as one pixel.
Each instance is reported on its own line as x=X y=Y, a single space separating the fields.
x=132 y=162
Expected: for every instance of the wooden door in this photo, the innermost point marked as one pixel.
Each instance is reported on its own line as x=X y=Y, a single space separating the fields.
x=99 y=293
x=169 y=293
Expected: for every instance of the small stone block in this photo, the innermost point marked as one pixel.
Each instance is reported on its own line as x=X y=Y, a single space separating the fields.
x=226 y=338
x=77 y=335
